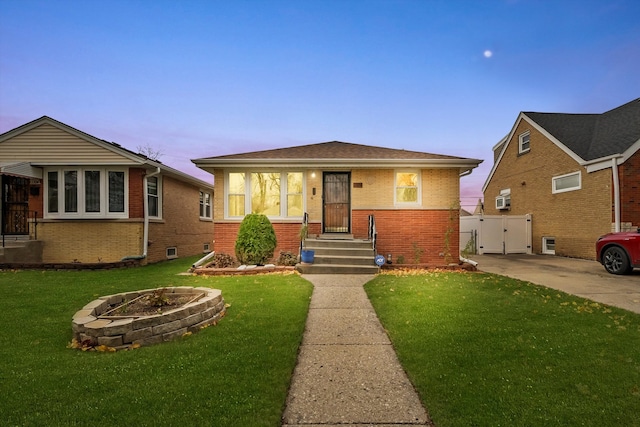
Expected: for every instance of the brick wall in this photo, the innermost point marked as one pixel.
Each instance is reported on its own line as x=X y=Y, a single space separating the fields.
x=575 y=218
x=89 y=241
x=136 y=192
x=181 y=226
x=36 y=202
x=287 y=234
x=419 y=236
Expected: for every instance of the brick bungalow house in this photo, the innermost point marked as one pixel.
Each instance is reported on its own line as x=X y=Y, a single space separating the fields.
x=413 y=196
x=70 y=197
x=578 y=175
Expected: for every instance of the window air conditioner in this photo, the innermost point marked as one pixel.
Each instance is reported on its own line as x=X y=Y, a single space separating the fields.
x=502 y=202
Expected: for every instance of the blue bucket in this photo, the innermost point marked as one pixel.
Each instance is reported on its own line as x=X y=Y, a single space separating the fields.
x=307 y=256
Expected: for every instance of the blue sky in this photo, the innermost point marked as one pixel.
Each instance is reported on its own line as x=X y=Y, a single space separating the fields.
x=204 y=78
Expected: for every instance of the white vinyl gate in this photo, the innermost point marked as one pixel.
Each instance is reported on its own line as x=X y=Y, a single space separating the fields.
x=496 y=234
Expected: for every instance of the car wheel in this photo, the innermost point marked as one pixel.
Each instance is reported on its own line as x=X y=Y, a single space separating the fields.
x=615 y=260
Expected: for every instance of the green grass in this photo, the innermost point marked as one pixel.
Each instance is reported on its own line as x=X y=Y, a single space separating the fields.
x=233 y=374
x=486 y=350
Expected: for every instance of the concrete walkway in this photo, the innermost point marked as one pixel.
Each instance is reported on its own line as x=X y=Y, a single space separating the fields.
x=347 y=372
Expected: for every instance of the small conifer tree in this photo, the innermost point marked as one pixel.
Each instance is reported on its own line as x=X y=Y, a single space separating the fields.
x=256 y=240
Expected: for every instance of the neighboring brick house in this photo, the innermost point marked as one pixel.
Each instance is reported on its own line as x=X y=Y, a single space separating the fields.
x=413 y=196
x=578 y=175
x=92 y=201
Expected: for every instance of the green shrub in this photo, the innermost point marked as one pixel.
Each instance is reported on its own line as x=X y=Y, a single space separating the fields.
x=287 y=258
x=256 y=240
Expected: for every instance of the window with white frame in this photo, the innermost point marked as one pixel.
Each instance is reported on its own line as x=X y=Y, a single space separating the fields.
x=568 y=182
x=275 y=194
x=549 y=245
x=524 y=145
x=88 y=192
x=407 y=186
x=154 y=192
x=172 y=252
x=205 y=205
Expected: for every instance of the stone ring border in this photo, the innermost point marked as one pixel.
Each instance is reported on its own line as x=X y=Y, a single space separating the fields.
x=89 y=328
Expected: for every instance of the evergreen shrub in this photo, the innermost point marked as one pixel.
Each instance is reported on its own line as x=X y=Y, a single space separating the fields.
x=256 y=240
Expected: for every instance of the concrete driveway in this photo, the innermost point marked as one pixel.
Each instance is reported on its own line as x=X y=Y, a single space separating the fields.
x=579 y=277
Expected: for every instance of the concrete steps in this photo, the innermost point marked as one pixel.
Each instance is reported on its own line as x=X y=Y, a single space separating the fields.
x=339 y=255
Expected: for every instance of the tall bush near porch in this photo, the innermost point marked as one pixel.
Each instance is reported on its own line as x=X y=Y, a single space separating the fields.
x=256 y=240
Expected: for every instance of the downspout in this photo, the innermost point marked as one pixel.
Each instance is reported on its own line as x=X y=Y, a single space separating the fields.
x=145 y=233
x=616 y=193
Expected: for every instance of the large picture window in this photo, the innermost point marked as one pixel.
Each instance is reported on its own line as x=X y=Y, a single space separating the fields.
x=52 y=187
x=236 y=194
x=116 y=191
x=275 y=194
x=294 y=194
x=407 y=187
x=85 y=193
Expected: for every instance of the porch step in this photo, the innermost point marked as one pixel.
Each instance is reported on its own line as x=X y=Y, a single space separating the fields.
x=23 y=251
x=336 y=269
x=15 y=241
x=339 y=256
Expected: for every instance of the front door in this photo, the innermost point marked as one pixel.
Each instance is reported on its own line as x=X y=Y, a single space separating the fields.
x=336 y=202
x=15 y=205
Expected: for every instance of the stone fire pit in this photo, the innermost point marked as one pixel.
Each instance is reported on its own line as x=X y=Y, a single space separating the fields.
x=112 y=321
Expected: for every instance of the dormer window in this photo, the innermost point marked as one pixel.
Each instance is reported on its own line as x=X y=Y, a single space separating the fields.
x=523 y=143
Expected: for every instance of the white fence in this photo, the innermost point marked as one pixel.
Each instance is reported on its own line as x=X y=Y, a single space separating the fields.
x=496 y=234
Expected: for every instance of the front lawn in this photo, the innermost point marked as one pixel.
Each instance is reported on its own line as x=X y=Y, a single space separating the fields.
x=235 y=374
x=487 y=350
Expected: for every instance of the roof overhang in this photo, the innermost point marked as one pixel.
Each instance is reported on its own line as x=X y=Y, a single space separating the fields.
x=22 y=169
x=606 y=162
x=209 y=164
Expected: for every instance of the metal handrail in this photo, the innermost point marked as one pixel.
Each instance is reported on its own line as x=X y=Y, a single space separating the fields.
x=305 y=223
x=32 y=224
x=372 y=231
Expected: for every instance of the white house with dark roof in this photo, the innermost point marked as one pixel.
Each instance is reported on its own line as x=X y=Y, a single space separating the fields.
x=412 y=197
x=578 y=175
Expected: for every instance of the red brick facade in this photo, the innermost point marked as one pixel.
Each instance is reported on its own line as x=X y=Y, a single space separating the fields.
x=136 y=192
x=288 y=235
x=417 y=236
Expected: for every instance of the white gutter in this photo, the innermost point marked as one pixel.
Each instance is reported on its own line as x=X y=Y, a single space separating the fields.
x=145 y=242
x=616 y=193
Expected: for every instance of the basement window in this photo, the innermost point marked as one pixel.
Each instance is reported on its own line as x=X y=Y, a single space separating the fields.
x=172 y=252
x=549 y=245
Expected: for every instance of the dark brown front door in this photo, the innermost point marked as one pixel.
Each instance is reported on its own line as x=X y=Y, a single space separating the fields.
x=15 y=205
x=336 y=198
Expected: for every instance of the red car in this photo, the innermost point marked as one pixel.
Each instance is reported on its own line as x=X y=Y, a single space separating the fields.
x=619 y=253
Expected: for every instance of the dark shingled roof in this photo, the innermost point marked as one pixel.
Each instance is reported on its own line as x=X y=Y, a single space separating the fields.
x=334 y=150
x=593 y=136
